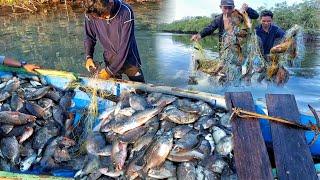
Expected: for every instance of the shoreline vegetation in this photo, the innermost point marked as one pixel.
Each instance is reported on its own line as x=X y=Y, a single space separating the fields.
x=306 y=14
x=33 y=6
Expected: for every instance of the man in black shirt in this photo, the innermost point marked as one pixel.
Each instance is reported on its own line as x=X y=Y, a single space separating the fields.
x=112 y=23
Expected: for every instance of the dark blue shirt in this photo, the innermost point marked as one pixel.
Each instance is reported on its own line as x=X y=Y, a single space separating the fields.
x=116 y=35
x=268 y=39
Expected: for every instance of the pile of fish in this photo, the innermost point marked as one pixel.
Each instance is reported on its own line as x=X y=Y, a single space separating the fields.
x=35 y=124
x=143 y=136
x=159 y=136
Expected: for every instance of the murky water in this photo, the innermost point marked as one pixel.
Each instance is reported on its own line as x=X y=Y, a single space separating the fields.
x=54 y=39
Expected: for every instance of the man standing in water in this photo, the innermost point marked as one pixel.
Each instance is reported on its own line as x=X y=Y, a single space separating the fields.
x=233 y=29
x=112 y=23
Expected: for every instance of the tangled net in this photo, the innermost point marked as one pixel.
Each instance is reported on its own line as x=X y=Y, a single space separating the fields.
x=241 y=58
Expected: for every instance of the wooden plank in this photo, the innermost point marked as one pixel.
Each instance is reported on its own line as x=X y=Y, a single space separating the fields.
x=292 y=154
x=250 y=153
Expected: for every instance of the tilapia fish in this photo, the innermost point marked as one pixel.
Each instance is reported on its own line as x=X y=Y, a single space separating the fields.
x=119 y=154
x=175 y=115
x=15 y=118
x=10 y=149
x=158 y=151
x=136 y=120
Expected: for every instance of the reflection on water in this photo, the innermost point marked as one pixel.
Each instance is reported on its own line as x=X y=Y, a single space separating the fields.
x=55 y=40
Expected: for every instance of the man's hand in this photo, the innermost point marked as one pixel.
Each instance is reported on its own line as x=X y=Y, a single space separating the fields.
x=196 y=37
x=31 y=67
x=90 y=65
x=103 y=74
x=244 y=7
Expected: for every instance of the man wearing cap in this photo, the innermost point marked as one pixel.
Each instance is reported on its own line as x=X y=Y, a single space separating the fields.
x=14 y=63
x=223 y=21
x=112 y=23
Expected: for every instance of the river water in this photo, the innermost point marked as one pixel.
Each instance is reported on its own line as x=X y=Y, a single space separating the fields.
x=54 y=39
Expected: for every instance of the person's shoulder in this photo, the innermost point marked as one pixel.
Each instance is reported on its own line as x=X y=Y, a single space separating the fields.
x=219 y=16
x=126 y=11
x=276 y=27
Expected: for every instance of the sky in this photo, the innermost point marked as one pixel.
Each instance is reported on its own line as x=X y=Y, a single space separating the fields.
x=184 y=8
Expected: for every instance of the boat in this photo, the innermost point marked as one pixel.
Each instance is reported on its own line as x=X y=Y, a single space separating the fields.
x=63 y=80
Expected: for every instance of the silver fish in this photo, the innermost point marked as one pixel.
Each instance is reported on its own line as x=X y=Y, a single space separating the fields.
x=225 y=146
x=158 y=151
x=218 y=134
x=186 y=171
x=10 y=149
x=138 y=102
x=177 y=116
x=137 y=120
x=38 y=94
x=27 y=162
x=165 y=171
x=181 y=130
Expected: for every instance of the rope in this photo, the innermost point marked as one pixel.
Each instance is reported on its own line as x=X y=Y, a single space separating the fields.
x=247 y=114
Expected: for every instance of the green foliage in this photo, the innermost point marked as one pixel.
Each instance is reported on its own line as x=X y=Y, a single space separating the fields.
x=306 y=14
x=186 y=25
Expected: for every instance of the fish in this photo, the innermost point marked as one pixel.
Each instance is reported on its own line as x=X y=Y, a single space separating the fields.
x=185 y=156
x=4 y=96
x=218 y=134
x=146 y=139
x=66 y=100
x=42 y=136
x=10 y=149
x=206 y=121
x=153 y=97
x=138 y=102
x=186 y=171
x=11 y=86
x=16 y=118
x=127 y=111
x=225 y=146
x=119 y=154
x=16 y=102
x=38 y=94
x=58 y=115
x=187 y=105
x=5 y=107
x=27 y=162
x=188 y=142
x=53 y=95
x=158 y=151
x=205 y=108
x=137 y=120
x=61 y=155
x=165 y=99
x=165 y=171
x=133 y=135
x=26 y=134
x=45 y=103
x=181 y=130
x=37 y=110
x=5 y=128
x=171 y=113
x=95 y=142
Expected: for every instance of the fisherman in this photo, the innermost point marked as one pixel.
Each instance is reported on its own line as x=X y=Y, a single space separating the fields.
x=14 y=63
x=223 y=21
x=233 y=30
x=112 y=23
x=270 y=35
x=268 y=32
